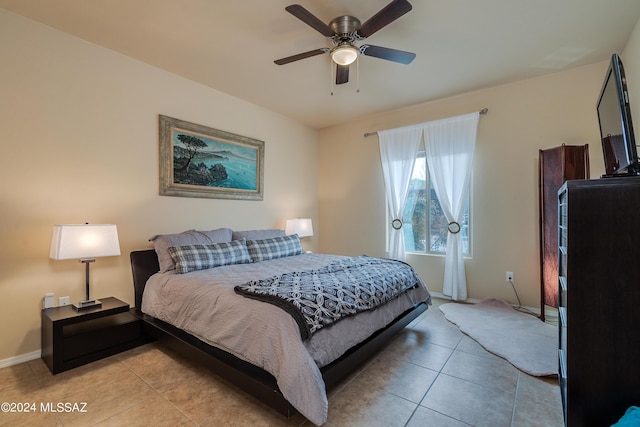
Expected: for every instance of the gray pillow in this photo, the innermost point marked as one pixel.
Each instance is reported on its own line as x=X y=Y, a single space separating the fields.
x=162 y=242
x=258 y=234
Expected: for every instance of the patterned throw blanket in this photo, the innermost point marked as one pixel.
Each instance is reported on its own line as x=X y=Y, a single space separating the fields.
x=320 y=297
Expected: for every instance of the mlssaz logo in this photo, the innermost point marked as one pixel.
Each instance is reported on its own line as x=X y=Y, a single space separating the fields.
x=63 y=407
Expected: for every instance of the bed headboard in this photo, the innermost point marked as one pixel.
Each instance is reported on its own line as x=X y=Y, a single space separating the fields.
x=144 y=264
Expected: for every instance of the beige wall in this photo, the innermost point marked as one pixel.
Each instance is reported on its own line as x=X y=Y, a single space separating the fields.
x=523 y=118
x=80 y=144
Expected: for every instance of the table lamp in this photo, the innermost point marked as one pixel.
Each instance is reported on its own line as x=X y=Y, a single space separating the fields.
x=84 y=242
x=300 y=226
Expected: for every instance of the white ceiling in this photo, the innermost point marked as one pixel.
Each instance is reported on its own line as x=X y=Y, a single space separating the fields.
x=461 y=45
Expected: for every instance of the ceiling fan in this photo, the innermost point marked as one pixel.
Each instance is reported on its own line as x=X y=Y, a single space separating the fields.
x=344 y=31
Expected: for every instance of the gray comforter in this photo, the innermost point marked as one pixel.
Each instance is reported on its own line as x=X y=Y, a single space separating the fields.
x=204 y=304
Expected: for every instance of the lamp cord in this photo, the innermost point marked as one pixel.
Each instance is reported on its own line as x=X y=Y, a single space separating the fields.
x=520 y=307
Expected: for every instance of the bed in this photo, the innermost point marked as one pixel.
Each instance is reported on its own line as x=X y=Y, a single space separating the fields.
x=205 y=313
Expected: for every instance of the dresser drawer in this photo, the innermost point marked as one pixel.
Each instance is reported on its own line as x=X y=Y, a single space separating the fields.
x=95 y=335
x=562 y=292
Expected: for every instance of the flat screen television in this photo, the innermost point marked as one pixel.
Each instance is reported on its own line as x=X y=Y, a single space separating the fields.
x=616 y=128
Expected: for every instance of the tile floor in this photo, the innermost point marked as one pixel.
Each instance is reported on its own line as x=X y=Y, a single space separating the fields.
x=431 y=375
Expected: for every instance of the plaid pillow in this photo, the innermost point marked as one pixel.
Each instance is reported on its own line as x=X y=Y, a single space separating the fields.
x=276 y=247
x=162 y=242
x=201 y=257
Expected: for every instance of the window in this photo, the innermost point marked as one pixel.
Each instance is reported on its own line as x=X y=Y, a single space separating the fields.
x=425 y=226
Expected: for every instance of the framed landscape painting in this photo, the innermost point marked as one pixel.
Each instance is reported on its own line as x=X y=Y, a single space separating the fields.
x=198 y=161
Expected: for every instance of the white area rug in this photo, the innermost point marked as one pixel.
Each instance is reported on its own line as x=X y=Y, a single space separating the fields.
x=524 y=340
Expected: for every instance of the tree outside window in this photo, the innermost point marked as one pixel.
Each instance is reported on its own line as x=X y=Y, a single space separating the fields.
x=425 y=226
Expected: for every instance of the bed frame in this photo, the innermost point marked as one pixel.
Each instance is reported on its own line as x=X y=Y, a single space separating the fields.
x=248 y=377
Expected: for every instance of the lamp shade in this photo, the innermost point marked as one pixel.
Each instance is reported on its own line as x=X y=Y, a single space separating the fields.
x=300 y=226
x=84 y=241
x=344 y=54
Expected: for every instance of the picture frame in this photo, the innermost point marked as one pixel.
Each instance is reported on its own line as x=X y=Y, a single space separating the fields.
x=199 y=161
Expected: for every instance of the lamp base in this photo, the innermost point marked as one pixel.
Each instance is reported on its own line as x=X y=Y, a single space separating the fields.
x=86 y=304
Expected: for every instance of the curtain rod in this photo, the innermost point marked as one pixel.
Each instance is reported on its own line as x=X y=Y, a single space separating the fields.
x=367 y=134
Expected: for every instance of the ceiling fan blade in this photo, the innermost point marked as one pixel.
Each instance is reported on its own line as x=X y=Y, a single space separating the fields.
x=300 y=56
x=394 y=55
x=310 y=19
x=342 y=74
x=386 y=16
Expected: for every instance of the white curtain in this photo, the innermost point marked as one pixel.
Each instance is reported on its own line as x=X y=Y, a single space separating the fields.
x=398 y=150
x=450 y=145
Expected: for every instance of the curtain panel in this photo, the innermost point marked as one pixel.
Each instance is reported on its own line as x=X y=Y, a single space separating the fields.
x=449 y=147
x=398 y=150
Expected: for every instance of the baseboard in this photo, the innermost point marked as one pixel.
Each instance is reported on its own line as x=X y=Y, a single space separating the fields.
x=548 y=312
x=442 y=296
x=16 y=360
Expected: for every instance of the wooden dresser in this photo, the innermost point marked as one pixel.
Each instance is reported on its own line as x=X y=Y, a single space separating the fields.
x=599 y=277
x=556 y=166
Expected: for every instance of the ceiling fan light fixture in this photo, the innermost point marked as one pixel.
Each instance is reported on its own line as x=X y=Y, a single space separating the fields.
x=344 y=54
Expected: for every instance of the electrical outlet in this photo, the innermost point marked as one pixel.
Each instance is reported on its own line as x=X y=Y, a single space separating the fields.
x=48 y=300
x=509 y=276
x=62 y=301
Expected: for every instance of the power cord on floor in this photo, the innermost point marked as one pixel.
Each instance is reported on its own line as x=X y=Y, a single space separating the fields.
x=520 y=307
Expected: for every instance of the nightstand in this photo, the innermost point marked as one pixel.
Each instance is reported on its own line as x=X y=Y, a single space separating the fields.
x=72 y=338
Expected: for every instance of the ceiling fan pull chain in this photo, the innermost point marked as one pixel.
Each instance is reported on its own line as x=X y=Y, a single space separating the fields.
x=331 y=76
x=358 y=74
